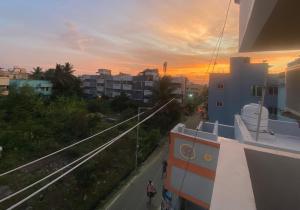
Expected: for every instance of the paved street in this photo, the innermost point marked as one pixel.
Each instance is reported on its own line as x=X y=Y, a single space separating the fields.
x=133 y=195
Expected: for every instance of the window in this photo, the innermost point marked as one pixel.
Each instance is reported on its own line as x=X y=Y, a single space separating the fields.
x=220 y=86
x=273 y=91
x=219 y=103
x=256 y=91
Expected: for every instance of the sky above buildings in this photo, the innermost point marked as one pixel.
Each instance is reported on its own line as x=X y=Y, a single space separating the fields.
x=123 y=35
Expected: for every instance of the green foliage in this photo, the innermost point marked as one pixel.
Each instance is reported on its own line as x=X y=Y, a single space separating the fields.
x=31 y=126
x=122 y=102
x=163 y=90
x=37 y=73
x=148 y=142
x=65 y=83
x=99 y=105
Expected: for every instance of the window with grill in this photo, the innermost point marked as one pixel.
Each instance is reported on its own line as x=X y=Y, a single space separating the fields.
x=219 y=104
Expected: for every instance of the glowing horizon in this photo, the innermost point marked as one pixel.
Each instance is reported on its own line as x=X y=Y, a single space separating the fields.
x=124 y=36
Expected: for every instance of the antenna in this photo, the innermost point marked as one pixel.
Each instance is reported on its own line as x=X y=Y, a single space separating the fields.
x=165 y=67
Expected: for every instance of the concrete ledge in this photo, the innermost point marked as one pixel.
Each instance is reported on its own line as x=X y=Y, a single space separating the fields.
x=233 y=188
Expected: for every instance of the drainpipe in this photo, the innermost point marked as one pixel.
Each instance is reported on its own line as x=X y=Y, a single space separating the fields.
x=260 y=109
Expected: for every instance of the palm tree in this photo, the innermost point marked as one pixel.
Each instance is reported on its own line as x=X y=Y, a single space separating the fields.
x=37 y=73
x=63 y=79
x=163 y=90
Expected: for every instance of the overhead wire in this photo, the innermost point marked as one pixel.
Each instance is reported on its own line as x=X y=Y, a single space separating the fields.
x=67 y=147
x=222 y=34
x=219 y=43
x=92 y=154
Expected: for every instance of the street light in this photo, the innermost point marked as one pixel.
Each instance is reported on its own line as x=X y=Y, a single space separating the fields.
x=137 y=135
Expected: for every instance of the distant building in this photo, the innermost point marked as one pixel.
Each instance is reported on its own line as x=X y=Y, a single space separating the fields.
x=15 y=73
x=138 y=88
x=293 y=87
x=4 y=83
x=179 y=84
x=88 y=85
x=143 y=85
x=193 y=89
x=229 y=92
x=41 y=87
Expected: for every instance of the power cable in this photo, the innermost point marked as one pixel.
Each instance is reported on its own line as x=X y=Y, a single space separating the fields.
x=222 y=34
x=67 y=147
x=219 y=43
x=97 y=151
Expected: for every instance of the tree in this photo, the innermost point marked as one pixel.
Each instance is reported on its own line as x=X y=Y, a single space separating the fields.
x=65 y=83
x=163 y=90
x=169 y=116
x=37 y=73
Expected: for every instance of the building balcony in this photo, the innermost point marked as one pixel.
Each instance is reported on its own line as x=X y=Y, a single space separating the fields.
x=100 y=81
x=177 y=91
x=116 y=86
x=126 y=87
x=149 y=83
x=4 y=92
x=148 y=93
x=100 y=88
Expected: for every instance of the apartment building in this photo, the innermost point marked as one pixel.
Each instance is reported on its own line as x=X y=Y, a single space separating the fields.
x=41 y=87
x=138 y=88
x=88 y=85
x=217 y=167
x=293 y=87
x=4 y=83
x=179 y=85
x=14 y=73
x=193 y=89
x=229 y=92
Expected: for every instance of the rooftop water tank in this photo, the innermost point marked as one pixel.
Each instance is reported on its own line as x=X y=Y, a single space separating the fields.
x=250 y=114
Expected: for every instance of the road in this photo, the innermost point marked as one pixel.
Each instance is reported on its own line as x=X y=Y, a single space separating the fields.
x=133 y=195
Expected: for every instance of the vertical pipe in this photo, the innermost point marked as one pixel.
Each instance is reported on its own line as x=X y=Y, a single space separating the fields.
x=260 y=109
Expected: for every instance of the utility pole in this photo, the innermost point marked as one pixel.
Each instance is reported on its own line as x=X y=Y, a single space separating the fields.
x=137 y=136
x=165 y=68
x=260 y=108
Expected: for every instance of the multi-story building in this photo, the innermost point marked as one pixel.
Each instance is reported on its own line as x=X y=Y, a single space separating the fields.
x=102 y=82
x=139 y=88
x=179 y=88
x=221 y=167
x=193 y=89
x=88 y=85
x=15 y=73
x=143 y=85
x=42 y=87
x=4 y=83
x=293 y=87
x=229 y=92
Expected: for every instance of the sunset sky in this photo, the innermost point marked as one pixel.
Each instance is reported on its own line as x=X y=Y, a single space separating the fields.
x=122 y=35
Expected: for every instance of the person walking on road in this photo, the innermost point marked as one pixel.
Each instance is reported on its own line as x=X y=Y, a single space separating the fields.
x=151 y=191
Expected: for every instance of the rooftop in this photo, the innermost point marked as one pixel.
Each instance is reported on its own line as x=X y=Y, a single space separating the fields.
x=245 y=165
x=281 y=135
